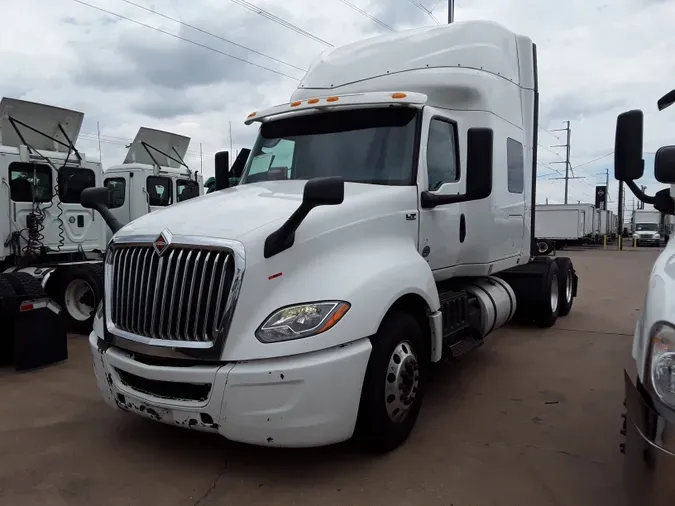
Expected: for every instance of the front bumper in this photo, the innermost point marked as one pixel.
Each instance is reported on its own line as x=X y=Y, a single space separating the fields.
x=298 y=401
x=649 y=465
x=647 y=241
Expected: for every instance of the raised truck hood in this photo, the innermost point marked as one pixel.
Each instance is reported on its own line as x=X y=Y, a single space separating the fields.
x=231 y=213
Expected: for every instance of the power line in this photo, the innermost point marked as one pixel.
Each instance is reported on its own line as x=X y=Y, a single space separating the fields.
x=120 y=16
x=369 y=16
x=425 y=10
x=279 y=21
x=147 y=9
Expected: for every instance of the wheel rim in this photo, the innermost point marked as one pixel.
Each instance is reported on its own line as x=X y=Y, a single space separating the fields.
x=568 y=286
x=74 y=297
x=402 y=382
x=542 y=247
x=555 y=294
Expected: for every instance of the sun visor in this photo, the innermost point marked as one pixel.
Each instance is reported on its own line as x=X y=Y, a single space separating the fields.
x=43 y=118
x=163 y=146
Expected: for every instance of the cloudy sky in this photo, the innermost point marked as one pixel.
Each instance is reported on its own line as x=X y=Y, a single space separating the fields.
x=597 y=58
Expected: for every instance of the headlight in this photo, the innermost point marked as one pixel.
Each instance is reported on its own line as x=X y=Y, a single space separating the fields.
x=657 y=236
x=302 y=320
x=663 y=362
x=636 y=236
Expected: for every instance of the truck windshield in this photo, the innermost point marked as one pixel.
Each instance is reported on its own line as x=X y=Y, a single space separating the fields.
x=365 y=145
x=646 y=227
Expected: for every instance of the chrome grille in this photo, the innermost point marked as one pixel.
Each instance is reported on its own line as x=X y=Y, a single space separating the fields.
x=180 y=295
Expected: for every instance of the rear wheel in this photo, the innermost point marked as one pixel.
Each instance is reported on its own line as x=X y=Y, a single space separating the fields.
x=394 y=384
x=566 y=275
x=78 y=290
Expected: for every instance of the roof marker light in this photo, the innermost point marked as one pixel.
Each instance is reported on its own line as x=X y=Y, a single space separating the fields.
x=296 y=104
x=251 y=115
x=398 y=95
x=332 y=99
x=312 y=100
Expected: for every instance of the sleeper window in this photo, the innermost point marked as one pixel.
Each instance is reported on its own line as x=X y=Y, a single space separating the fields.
x=515 y=165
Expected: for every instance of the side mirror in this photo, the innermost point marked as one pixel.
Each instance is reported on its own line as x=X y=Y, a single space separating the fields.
x=480 y=144
x=97 y=199
x=240 y=163
x=628 y=164
x=320 y=191
x=479 y=148
x=664 y=165
x=324 y=191
x=222 y=167
x=666 y=100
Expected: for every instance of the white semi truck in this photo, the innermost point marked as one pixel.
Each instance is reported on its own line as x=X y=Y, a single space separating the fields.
x=45 y=233
x=384 y=221
x=153 y=175
x=561 y=225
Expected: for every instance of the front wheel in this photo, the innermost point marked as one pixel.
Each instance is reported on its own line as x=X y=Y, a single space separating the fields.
x=78 y=290
x=394 y=384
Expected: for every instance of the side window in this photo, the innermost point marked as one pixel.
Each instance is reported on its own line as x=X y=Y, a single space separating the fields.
x=515 y=165
x=159 y=190
x=72 y=180
x=186 y=189
x=30 y=181
x=117 y=187
x=442 y=156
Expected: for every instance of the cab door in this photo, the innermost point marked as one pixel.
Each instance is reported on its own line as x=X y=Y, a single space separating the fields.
x=439 y=171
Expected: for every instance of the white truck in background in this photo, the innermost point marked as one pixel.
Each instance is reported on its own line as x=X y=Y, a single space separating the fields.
x=153 y=175
x=649 y=418
x=384 y=220
x=48 y=241
x=648 y=227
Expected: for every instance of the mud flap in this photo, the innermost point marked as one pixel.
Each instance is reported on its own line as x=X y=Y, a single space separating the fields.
x=33 y=334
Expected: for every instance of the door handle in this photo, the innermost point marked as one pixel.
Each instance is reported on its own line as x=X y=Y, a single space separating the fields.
x=462 y=228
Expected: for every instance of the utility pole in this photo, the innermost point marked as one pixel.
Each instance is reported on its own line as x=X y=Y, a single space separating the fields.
x=619 y=243
x=201 y=159
x=98 y=134
x=231 y=145
x=567 y=156
x=451 y=11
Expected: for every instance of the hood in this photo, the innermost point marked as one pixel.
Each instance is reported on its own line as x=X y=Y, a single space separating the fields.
x=233 y=212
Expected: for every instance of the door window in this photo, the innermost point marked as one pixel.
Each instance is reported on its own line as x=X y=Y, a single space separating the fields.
x=30 y=181
x=442 y=156
x=117 y=188
x=186 y=189
x=159 y=191
x=72 y=181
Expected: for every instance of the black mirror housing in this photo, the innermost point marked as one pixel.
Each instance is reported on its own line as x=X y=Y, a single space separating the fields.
x=479 y=161
x=666 y=100
x=222 y=168
x=97 y=199
x=239 y=163
x=664 y=165
x=92 y=198
x=324 y=191
x=320 y=191
x=628 y=164
x=479 y=148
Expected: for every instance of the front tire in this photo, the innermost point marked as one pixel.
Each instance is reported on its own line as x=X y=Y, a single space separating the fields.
x=566 y=275
x=394 y=384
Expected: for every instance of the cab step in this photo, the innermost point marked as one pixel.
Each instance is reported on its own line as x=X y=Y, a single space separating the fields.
x=464 y=346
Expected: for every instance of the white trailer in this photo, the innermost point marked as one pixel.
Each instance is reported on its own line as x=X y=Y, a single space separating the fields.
x=383 y=221
x=154 y=175
x=560 y=225
x=45 y=232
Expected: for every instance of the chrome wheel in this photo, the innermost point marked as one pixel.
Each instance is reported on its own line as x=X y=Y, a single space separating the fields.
x=76 y=298
x=555 y=294
x=568 y=286
x=402 y=382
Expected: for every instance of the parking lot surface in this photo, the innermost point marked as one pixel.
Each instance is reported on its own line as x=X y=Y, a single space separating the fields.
x=532 y=417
